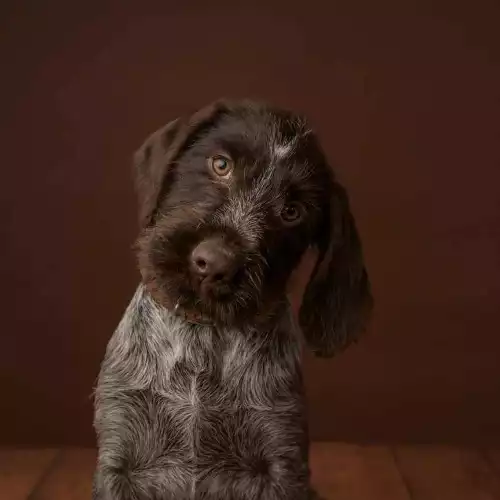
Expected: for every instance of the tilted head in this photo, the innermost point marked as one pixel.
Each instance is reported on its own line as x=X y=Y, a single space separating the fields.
x=230 y=198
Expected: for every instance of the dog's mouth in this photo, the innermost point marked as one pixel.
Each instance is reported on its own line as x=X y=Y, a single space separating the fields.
x=220 y=301
x=215 y=277
x=217 y=289
x=200 y=300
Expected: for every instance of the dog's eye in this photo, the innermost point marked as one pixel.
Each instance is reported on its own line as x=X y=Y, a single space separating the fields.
x=220 y=165
x=292 y=212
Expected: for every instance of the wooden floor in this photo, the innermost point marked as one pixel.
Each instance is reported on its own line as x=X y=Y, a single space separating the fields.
x=340 y=472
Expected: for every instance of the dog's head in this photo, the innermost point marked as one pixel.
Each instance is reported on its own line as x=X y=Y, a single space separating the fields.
x=230 y=198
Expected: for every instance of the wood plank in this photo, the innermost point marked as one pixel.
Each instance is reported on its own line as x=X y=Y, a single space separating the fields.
x=352 y=472
x=70 y=478
x=20 y=470
x=339 y=471
x=441 y=472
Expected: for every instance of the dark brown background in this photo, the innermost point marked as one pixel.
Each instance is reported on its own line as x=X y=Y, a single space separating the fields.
x=406 y=97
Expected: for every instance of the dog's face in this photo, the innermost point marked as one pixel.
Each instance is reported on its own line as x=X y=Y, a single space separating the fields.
x=231 y=197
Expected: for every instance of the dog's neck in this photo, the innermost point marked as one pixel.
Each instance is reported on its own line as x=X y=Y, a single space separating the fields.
x=264 y=316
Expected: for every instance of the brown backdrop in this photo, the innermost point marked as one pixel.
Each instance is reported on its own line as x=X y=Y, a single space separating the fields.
x=406 y=97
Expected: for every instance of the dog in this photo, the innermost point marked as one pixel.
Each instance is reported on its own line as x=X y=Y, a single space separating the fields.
x=200 y=393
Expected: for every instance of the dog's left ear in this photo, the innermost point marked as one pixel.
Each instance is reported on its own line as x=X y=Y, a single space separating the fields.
x=153 y=159
x=337 y=301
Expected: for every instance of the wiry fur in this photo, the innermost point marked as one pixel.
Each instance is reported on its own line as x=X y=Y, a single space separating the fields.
x=216 y=411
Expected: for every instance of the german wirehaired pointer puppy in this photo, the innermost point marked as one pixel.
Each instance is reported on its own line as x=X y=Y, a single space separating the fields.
x=200 y=394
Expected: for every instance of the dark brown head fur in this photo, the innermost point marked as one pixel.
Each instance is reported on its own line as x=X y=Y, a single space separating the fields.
x=280 y=197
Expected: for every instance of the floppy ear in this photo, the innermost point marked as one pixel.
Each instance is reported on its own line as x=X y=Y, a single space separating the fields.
x=160 y=150
x=337 y=300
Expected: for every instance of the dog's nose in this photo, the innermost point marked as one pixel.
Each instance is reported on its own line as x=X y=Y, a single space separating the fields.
x=212 y=261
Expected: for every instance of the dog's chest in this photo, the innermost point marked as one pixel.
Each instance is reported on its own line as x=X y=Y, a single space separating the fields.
x=203 y=369
x=195 y=365
x=192 y=402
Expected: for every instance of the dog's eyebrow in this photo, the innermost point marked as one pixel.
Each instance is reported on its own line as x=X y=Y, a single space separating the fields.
x=235 y=147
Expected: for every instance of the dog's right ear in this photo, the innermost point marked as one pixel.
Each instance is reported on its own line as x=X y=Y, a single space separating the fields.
x=160 y=150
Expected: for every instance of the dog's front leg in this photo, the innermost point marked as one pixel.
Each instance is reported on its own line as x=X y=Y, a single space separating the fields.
x=111 y=485
x=97 y=491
